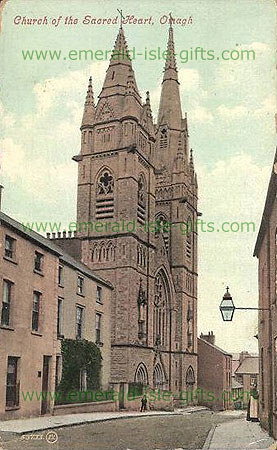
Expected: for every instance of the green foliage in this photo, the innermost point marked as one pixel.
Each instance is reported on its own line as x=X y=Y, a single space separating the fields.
x=78 y=355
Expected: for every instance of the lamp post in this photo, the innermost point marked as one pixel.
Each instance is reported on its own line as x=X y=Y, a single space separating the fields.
x=227 y=307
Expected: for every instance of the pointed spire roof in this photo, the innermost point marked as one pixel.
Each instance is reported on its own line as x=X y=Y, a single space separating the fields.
x=170 y=112
x=89 y=109
x=120 y=69
x=170 y=68
x=120 y=51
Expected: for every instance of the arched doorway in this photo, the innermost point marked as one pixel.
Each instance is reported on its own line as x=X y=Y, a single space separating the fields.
x=190 y=383
x=158 y=377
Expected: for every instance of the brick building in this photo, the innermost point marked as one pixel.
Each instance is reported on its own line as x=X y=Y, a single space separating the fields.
x=45 y=294
x=247 y=374
x=266 y=252
x=134 y=175
x=214 y=374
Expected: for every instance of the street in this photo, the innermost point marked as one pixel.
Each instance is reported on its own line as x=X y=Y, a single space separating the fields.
x=187 y=431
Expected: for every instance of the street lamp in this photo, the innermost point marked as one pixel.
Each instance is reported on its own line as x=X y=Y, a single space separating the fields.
x=227 y=307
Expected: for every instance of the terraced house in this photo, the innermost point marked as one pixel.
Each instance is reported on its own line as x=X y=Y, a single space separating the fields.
x=46 y=295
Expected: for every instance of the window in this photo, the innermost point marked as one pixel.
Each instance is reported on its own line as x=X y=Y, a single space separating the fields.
x=79 y=322
x=60 y=276
x=59 y=318
x=12 y=386
x=36 y=308
x=80 y=285
x=161 y=300
x=141 y=200
x=98 y=319
x=163 y=138
x=99 y=294
x=105 y=195
x=9 y=247
x=6 y=303
x=38 y=261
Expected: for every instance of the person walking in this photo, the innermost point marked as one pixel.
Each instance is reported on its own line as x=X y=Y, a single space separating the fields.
x=143 y=404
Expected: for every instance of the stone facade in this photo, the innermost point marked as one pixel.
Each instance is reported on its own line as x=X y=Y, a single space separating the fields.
x=214 y=374
x=134 y=175
x=266 y=251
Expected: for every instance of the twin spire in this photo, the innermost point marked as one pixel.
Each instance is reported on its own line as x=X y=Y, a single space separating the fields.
x=120 y=79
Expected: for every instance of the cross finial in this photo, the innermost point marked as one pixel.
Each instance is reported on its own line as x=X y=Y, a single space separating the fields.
x=227 y=288
x=121 y=16
x=170 y=20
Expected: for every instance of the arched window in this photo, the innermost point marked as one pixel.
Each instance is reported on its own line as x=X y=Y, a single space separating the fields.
x=141 y=201
x=190 y=378
x=141 y=375
x=161 y=306
x=189 y=239
x=163 y=138
x=162 y=227
x=158 y=377
x=105 y=195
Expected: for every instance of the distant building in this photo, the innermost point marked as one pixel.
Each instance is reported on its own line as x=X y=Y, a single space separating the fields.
x=247 y=375
x=266 y=252
x=46 y=295
x=214 y=374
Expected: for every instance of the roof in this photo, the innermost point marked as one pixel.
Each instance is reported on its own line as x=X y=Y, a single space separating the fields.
x=215 y=347
x=235 y=365
x=48 y=245
x=270 y=197
x=250 y=365
x=236 y=384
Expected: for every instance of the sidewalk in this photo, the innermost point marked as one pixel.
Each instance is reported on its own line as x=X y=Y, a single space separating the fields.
x=22 y=426
x=238 y=435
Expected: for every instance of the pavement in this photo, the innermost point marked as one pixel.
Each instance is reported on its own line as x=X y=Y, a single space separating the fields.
x=238 y=435
x=23 y=426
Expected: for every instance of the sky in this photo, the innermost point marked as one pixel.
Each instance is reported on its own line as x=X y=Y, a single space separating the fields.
x=231 y=107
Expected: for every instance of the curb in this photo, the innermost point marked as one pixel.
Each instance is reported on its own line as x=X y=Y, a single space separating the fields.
x=209 y=438
x=88 y=421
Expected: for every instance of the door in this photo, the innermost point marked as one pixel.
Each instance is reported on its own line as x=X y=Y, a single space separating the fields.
x=45 y=383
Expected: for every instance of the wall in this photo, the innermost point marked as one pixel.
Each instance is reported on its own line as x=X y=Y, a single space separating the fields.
x=18 y=340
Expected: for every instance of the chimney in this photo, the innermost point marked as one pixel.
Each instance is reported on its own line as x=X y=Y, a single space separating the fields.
x=242 y=356
x=210 y=337
x=1 y=189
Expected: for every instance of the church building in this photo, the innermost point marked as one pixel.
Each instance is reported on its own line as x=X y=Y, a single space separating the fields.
x=132 y=169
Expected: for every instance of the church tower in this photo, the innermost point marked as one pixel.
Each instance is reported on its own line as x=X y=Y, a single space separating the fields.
x=133 y=176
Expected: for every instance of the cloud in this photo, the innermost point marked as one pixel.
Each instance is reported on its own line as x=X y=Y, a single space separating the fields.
x=55 y=91
x=229 y=113
x=200 y=114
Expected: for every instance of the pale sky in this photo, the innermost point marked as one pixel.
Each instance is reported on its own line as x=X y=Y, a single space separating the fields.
x=230 y=106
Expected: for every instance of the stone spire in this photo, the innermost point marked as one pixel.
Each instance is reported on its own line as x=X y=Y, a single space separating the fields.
x=89 y=109
x=119 y=74
x=170 y=112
